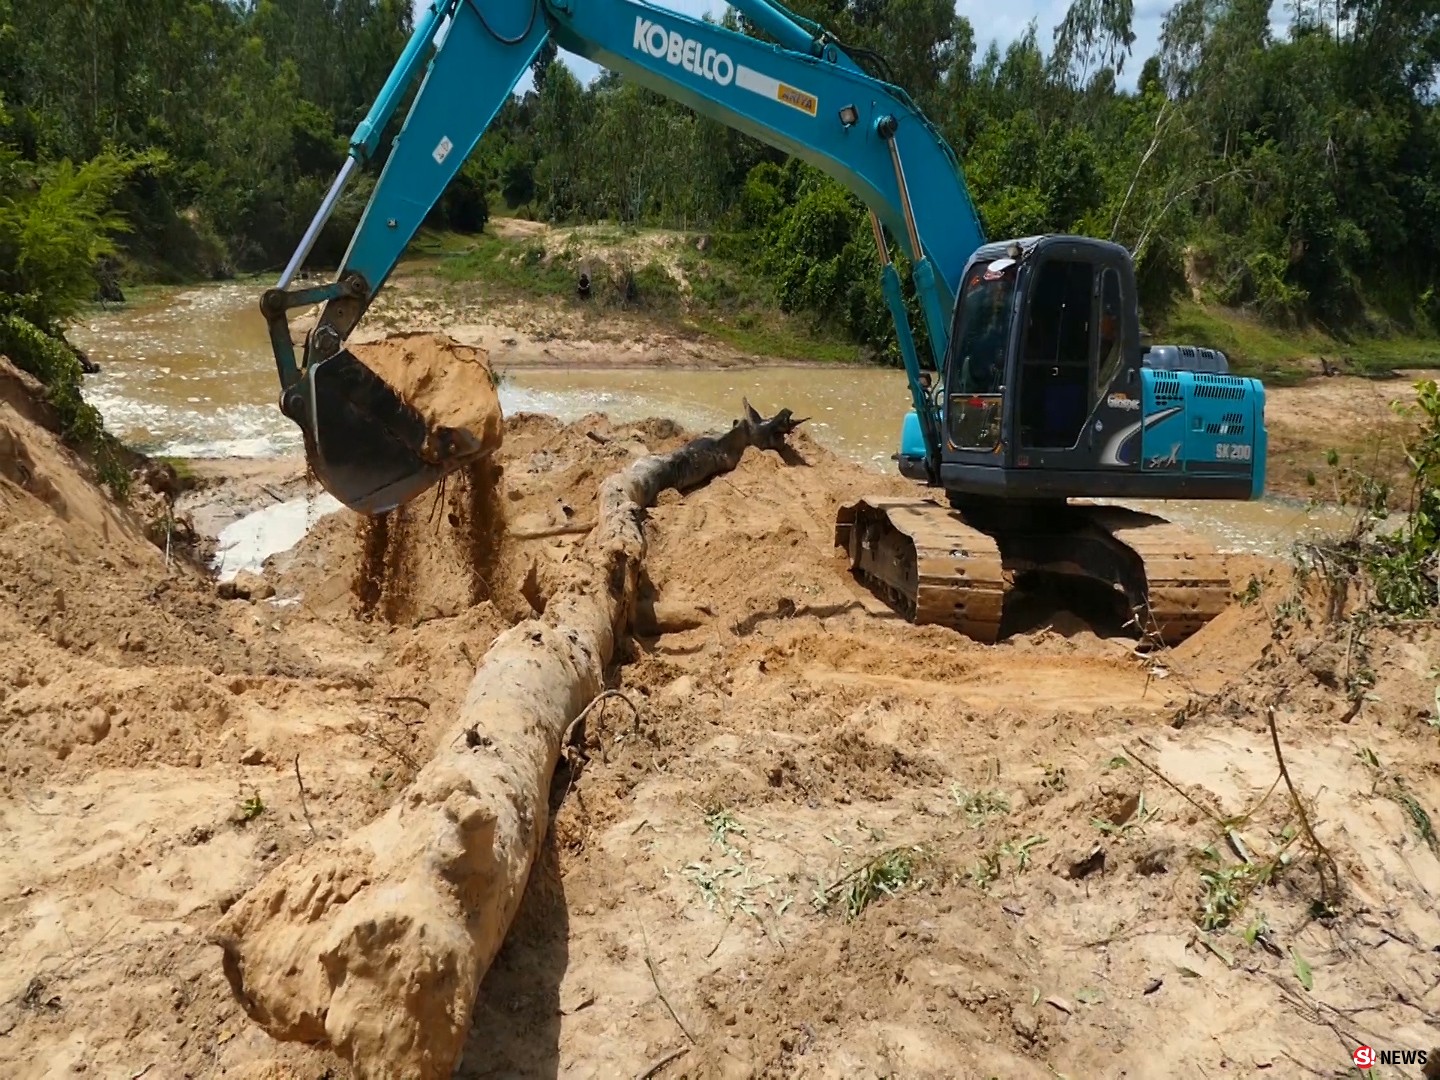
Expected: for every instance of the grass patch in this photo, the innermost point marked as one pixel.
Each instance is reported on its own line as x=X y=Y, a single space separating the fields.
x=886 y=874
x=979 y=806
x=1275 y=356
x=778 y=336
x=723 y=298
x=520 y=265
x=991 y=864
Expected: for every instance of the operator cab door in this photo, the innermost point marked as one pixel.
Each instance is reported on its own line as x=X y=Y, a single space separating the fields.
x=1076 y=374
x=976 y=368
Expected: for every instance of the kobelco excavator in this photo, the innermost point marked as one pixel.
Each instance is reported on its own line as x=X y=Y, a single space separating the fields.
x=1038 y=391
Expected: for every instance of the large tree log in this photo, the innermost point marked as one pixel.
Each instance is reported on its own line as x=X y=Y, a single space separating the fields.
x=376 y=944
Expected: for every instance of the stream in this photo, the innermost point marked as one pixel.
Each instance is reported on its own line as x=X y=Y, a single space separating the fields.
x=189 y=373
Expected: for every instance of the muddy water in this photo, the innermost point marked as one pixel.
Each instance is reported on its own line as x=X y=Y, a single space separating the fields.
x=189 y=373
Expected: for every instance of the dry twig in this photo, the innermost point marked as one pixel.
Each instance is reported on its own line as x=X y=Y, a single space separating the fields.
x=299 y=783
x=1172 y=785
x=1322 y=853
x=604 y=695
x=655 y=978
x=661 y=1062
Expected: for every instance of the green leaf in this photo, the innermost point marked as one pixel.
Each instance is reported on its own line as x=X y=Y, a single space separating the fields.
x=1089 y=995
x=1254 y=930
x=1302 y=970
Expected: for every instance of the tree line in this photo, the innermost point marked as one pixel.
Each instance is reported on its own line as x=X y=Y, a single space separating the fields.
x=1295 y=175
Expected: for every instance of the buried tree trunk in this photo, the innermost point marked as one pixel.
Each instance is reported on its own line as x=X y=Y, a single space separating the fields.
x=376 y=944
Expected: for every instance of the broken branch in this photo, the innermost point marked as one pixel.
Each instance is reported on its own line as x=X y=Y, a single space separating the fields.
x=572 y=529
x=299 y=783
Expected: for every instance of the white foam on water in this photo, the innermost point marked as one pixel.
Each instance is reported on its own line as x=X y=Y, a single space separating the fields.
x=246 y=544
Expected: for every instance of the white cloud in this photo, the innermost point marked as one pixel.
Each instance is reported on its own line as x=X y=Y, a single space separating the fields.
x=1001 y=23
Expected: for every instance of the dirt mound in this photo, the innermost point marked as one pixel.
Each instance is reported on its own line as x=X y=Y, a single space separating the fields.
x=478 y=538
x=449 y=384
x=42 y=481
x=159 y=746
x=858 y=846
x=819 y=839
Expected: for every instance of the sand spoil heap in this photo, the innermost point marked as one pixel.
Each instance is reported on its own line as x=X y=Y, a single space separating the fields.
x=803 y=839
x=450 y=385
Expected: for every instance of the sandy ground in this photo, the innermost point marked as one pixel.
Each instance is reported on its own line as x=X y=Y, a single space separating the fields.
x=811 y=840
x=1355 y=417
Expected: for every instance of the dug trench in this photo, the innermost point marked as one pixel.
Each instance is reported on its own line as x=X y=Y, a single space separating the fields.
x=798 y=837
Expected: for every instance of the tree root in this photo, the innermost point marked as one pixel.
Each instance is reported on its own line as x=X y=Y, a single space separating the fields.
x=376 y=945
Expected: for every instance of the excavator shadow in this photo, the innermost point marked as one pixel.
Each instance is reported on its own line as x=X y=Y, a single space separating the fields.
x=792 y=457
x=1036 y=601
x=515 y=1025
x=1064 y=605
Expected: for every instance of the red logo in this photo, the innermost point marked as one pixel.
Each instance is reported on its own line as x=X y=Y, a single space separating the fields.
x=1364 y=1057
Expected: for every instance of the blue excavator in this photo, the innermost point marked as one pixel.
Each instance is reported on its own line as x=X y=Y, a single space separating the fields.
x=1039 y=396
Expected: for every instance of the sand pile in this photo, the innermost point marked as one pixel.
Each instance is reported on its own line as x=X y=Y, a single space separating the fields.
x=479 y=537
x=41 y=481
x=836 y=843
x=153 y=737
x=449 y=384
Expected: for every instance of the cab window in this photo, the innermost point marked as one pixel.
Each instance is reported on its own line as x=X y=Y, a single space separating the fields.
x=1111 y=347
x=978 y=364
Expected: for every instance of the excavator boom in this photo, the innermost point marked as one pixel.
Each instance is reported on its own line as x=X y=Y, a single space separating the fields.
x=803 y=95
x=1041 y=391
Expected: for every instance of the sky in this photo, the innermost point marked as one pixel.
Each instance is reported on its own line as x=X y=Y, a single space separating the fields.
x=1001 y=22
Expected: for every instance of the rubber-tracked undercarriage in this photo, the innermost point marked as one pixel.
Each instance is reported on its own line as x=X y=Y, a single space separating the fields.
x=951 y=567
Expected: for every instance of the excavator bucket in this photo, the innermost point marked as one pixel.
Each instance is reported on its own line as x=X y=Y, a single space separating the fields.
x=369 y=448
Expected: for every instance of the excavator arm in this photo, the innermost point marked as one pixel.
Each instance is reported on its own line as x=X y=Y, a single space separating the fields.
x=803 y=95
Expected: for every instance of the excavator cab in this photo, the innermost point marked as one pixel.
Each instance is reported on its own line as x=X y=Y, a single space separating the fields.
x=1042 y=368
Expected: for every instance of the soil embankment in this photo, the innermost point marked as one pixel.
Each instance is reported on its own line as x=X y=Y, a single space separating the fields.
x=813 y=840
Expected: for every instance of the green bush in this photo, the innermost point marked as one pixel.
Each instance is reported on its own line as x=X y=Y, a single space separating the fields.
x=1402 y=565
x=55 y=364
x=654 y=287
x=56 y=222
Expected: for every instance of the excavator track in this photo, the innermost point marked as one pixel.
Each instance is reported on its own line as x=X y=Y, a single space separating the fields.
x=927 y=561
x=1185 y=580
x=936 y=567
